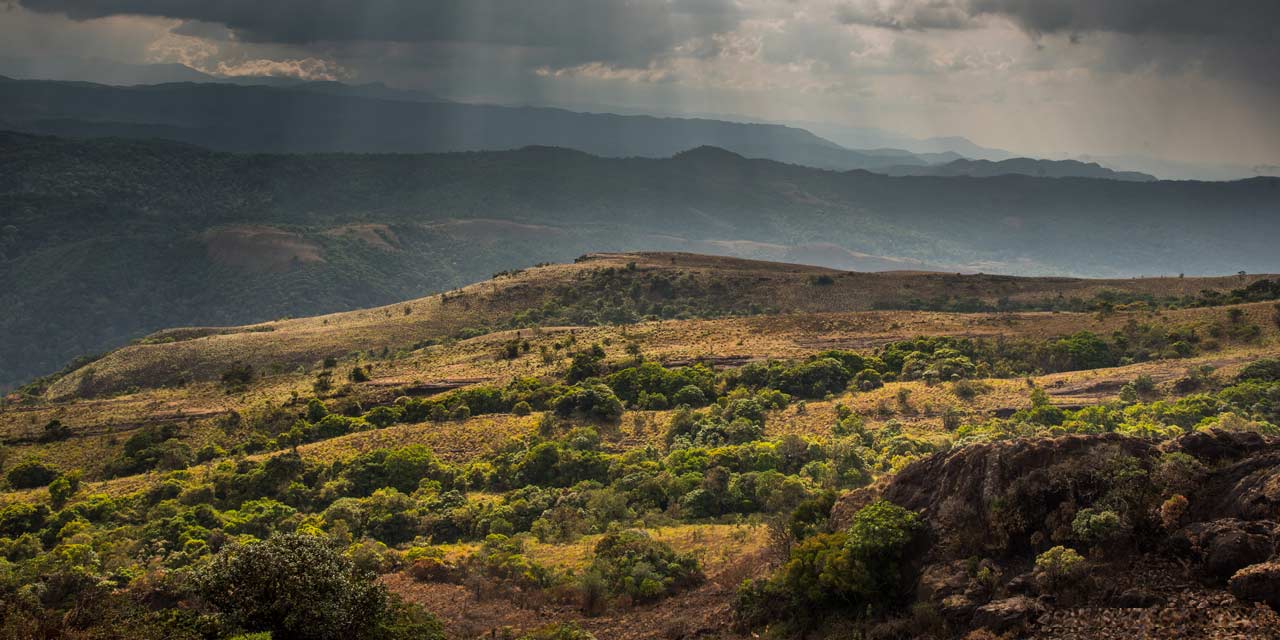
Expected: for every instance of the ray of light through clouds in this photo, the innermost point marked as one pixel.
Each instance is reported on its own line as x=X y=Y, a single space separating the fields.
x=1181 y=79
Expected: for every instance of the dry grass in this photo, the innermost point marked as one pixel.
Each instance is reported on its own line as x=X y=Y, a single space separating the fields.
x=287 y=345
x=100 y=426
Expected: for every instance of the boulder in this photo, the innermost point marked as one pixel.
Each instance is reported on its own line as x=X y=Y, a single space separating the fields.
x=957 y=608
x=1225 y=546
x=1011 y=613
x=937 y=581
x=1258 y=583
x=1138 y=598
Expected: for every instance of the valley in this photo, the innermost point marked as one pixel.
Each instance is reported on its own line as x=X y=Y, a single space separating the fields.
x=211 y=238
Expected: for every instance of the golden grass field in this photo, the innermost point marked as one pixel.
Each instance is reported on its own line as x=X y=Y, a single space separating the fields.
x=196 y=354
x=100 y=425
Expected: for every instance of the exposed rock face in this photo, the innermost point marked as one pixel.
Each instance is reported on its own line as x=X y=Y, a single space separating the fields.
x=967 y=495
x=984 y=497
x=1006 y=502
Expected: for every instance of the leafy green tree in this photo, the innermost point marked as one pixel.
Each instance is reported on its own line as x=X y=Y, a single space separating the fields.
x=297 y=587
x=62 y=488
x=689 y=395
x=316 y=410
x=596 y=402
x=238 y=376
x=860 y=567
x=633 y=563
x=30 y=474
x=408 y=466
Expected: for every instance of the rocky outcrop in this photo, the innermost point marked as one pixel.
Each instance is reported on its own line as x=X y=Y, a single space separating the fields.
x=982 y=498
x=1007 y=614
x=1006 y=502
x=1258 y=583
x=1223 y=547
x=978 y=497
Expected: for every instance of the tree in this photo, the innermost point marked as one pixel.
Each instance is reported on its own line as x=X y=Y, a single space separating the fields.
x=634 y=564
x=62 y=488
x=30 y=474
x=859 y=567
x=237 y=376
x=298 y=587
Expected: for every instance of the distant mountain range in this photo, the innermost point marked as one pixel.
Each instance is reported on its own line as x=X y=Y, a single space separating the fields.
x=374 y=118
x=937 y=149
x=332 y=117
x=1020 y=166
x=100 y=71
x=836 y=146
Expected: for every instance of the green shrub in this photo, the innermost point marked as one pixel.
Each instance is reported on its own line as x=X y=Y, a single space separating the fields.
x=689 y=395
x=383 y=417
x=20 y=517
x=761 y=602
x=502 y=558
x=316 y=410
x=1097 y=525
x=968 y=389
x=1264 y=370
x=634 y=564
x=63 y=487
x=596 y=402
x=294 y=586
x=859 y=568
x=558 y=631
x=30 y=474
x=1060 y=568
x=238 y=376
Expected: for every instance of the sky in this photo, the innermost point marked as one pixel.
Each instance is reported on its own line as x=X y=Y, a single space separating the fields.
x=1188 y=80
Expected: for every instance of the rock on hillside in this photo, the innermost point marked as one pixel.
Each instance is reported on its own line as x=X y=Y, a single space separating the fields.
x=1206 y=501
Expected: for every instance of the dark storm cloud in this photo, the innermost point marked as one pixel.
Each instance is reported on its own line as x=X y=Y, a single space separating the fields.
x=1235 y=40
x=1250 y=19
x=618 y=32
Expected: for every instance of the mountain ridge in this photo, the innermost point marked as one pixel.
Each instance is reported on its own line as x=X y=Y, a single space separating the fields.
x=1021 y=166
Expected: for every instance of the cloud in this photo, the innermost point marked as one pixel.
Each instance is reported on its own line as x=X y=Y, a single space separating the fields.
x=902 y=15
x=1238 y=40
x=627 y=33
x=1251 y=19
x=1189 y=79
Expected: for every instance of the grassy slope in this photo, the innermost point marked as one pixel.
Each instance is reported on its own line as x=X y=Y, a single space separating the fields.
x=203 y=354
x=823 y=317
